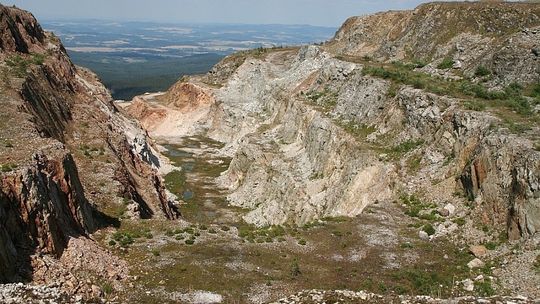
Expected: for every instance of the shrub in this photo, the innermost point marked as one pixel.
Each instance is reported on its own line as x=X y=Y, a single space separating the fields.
x=302 y=242
x=428 y=228
x=459 y=221
x=491 y=245
x=225 y=228
x=190 y=242
x=295 y=268
x=482 y=71
x=414 y=205
x=447 y=63
x=112 y=243
x=123 y=238
x=155 y=252
x=520 y=105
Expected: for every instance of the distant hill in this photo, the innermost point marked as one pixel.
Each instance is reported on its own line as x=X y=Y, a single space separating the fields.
x=132 y=58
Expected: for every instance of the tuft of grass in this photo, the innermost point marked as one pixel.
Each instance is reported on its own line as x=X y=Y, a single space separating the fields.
x=8 y=167
x=475 y=105
x=459 y=221
x=360 y=131
x=484 y=288
x=295 y=269
x=124 y=238
x=107 y=288
x=428 y=228
x=446 y=64
x=404 y=147
x=20 y=64
x=326 y=98
x=415 y=206
x=491 y=245
x=482 y=71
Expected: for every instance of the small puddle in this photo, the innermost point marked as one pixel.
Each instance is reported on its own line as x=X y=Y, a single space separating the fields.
x=195 y=184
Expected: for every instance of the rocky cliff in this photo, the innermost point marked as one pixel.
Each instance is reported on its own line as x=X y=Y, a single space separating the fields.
x=71 y=162
x=500 y=36
x=436 y=103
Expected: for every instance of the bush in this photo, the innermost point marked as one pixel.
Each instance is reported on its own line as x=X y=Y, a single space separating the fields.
x=295 y=268
x=447 y=63
x=302 y=242
x=428 y=228
x=190 y=242
x=155 y=252
x=112 y=243
x=482 y=71
x=123 y=238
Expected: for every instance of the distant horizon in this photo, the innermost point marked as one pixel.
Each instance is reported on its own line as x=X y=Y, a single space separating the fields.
x=320 y=13
x=70 y=19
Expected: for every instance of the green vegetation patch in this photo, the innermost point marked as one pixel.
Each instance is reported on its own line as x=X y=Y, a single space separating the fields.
x=414 y=207
x=268 y=234
x=476 y=96
x=404 y=147
x=359 y=131
x=19 y=64
x=9 y=167
x=327 y=98
x=446 y=64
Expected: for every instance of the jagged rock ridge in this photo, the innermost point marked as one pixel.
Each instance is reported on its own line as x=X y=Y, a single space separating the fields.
x=69 y=157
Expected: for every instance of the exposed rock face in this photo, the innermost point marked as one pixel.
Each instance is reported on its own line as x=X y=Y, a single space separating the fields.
x=313 y=136
x=68 y=155
x=20 y=32
x=501 y=36
x=43 y=206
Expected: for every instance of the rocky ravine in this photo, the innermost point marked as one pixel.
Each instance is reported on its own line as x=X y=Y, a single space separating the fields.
x=391 y=110
x=401 y=157
x=71 y=164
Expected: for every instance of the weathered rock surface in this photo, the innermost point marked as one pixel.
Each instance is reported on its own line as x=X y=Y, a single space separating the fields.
x=69 y=160
x=501 y=36
x=312 y=135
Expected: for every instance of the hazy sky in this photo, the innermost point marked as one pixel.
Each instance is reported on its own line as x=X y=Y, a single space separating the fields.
x=314 y=12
